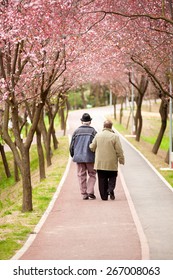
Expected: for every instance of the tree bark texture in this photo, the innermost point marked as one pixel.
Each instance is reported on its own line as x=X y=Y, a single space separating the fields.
x=40 y=152
x=139 y=98
x=5 y=163
x=47 y=146
x=26 y=181
x=164 y=116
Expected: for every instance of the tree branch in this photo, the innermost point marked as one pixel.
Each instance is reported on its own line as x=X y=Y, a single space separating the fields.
x=154 y=79
x=134 y=16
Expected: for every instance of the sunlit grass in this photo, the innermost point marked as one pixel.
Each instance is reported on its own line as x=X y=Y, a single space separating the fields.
x=151 y=140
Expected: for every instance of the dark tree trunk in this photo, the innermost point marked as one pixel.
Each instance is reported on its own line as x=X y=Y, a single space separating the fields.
x=47 y=146
x=5 y=163
x=138 y=118
x=121 y=110
x=55 y=140
x=51 y=129
x=66 y=117
x=16 y=172
x=164 y=115
x=62 y=117
x=40 y=152
x=21 y=150
x=26 y=180
x=139 y=98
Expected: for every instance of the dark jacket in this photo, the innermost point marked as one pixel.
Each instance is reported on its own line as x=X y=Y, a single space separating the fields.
x=79 y=146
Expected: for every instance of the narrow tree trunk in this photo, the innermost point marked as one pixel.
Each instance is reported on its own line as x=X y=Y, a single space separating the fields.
x=61 y=111
x=164 y=115
x=121 y=110
x=138 y=120
x=66 y=117
x=115 y=107
x=140 y=123
x=55 y=140
x=16 y=172
x=44 y=132
x=26 y=180
x=5 y=163
x=139 y=98
x=42 y=171
x=163 y=110
x=159 y=138
x=51 y=117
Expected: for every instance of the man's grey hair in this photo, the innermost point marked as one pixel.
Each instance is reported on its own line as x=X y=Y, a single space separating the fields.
x=86 y=123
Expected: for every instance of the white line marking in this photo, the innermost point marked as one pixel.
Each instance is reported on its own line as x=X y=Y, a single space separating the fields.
x=143 y=240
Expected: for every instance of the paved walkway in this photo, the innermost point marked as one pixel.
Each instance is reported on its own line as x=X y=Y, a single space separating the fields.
x=137 y=225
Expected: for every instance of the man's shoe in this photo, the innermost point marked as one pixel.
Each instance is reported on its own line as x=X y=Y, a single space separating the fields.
x=85 y=196
x=112 y=196
x=92 y=196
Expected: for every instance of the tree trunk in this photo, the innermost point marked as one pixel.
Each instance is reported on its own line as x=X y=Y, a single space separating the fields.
x=26 y=180
x=5 y=163
x=61 y=112
x=42 y=171
x=140 y=123
x=168 y=155
x=121 y=110
x=16 y=172
x=115 y=107
x=52 y=116
x=164 y=115
x=138 y=118
x=139 y=98
x=66 y=117
x=21 y=150
x=44 y=132
x=55 y=140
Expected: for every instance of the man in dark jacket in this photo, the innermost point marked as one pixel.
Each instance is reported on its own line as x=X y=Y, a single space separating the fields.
x=84 y=157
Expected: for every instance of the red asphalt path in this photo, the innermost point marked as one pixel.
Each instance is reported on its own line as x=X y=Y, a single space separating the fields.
x=76 y=229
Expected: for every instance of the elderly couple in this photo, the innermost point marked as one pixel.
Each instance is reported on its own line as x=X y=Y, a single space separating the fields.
x=96 y=152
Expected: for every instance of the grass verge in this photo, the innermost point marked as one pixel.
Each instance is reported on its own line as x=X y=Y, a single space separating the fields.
x=16 y=226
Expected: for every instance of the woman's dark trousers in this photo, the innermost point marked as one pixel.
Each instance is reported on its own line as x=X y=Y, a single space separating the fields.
x=107 y=182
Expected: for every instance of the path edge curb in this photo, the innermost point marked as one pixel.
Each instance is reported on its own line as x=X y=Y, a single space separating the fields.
x=145 y=255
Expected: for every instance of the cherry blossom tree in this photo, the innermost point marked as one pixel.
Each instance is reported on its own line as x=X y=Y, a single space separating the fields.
x=43 y=43
x=31 y=61
x=144 y=36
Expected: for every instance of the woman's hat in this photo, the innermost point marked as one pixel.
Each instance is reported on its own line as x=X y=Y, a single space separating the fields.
x=86 y=118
